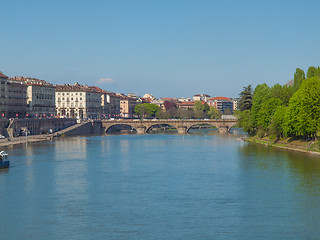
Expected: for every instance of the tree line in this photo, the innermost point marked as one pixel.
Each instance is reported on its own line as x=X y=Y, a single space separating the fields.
x=290 y=110
x=201 y=110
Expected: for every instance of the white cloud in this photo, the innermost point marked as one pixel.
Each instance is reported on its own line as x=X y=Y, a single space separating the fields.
x=105 y=80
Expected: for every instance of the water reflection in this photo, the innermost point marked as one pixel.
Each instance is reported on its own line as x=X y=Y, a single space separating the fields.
x=292 y=165
x=202 y=185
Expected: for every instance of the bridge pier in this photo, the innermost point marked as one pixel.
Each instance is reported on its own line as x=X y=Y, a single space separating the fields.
x=141 y=130
x=182 y=130
x=223 y=130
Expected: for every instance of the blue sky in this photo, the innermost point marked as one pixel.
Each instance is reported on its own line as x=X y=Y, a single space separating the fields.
x=170 y=48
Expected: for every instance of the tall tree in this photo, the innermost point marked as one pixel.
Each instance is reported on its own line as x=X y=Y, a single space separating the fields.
x=311 y=72
x=277 y=123
x=245 y=121
x=245 y=101
x=304 y=109
x=214 y=113
x=146 y=109
x=201 y=109
x=266 y=112
x=298 y=78
x=284 y=93
x=261 y=94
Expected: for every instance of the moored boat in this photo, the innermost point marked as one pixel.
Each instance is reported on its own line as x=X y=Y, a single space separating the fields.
x=4 y=163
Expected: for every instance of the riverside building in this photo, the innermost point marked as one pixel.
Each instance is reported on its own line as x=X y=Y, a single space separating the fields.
x=127 y=105
x=3 y=95
x=221 y=103
x=110 y=103
x=114 y=104
x=40 y=96
x=17 y=99
x=77 y=101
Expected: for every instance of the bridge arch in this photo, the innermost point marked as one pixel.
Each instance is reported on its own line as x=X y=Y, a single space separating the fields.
x=125 y=125
x=150 y=126
x=199 y=124
x=183 y=126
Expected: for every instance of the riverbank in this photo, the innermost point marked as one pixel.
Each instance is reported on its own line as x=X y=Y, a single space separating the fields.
x=304 y=146
x=23 y=139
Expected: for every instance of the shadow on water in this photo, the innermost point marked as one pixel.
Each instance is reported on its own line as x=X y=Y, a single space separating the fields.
x=294 y=165
x=234 y=132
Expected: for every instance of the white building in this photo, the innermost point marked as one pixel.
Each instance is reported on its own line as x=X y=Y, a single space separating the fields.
x=77 y=101
x=201 y=97
x=40 y=96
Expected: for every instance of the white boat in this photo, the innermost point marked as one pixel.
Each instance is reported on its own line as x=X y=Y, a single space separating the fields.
x=4 y=163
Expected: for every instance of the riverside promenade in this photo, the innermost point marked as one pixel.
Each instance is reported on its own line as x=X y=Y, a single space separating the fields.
x=78 y=128
x=24 y=139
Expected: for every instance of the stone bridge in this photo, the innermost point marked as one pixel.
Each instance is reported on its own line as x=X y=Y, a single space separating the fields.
x=183 y=126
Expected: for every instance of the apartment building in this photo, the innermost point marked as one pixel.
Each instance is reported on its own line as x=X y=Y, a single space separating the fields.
x=77 y=101
x=3 y=94
x=201 y=97
x=221 y=103
x=127 y=105
x=40 y=96
x=17 y=99
x=114 y=104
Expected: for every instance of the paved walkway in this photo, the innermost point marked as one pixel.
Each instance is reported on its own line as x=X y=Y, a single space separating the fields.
x=37 y=138
x=24 y=139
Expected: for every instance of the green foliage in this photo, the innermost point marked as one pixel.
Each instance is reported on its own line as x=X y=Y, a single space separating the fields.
x=201 y=109
x=266 y=112
x=214 y=113
x=261 y=93
x=299 y=77
x=284 y=93
x=245 y=101
x=285 y=111
x=204 y=107
x=304 y=109
x=246 y=122
x=160 y=114
x=277 y=123
x=146 y=109
x=313 y=72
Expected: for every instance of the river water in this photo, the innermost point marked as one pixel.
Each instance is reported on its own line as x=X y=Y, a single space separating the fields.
x=159 y=186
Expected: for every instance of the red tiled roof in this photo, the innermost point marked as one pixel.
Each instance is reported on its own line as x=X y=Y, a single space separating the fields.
x=220 y=98
x=97 y=89
x=31 y=81
x=186 y=104
x=2 y=75
x=146 y=100
x=73 y=88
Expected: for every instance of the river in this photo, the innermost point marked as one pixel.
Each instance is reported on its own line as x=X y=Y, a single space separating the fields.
x=159 y=186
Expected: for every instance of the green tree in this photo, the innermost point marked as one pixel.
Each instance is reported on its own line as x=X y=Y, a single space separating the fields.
x=160 y=114
x=245 y=101
x=245 y=121
x=146 y=109
x=303 y=116
x=214 y=113
x=299 y=77
x=311 y=72
x=227 y=112
x=261 y=94
x=284 y=93
x=266 y=113
x=201 y=109
x=204 y=107
x=277 y=123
